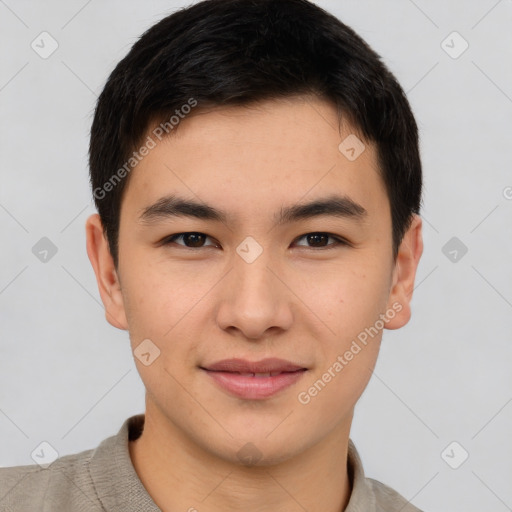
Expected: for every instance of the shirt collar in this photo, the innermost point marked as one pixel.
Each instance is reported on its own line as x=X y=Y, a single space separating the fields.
x=119 y=488
x=362 y=497
x=117 y=484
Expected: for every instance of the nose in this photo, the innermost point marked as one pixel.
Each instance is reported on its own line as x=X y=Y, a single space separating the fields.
x=254 y=300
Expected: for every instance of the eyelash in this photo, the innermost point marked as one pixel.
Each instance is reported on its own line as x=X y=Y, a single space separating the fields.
x=338 y=241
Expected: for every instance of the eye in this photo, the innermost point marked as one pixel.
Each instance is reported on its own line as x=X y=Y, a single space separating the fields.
x=190 y=240
x=319 y=240
x=196 y=240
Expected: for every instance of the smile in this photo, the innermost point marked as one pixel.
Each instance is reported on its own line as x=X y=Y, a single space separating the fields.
x=254 y=380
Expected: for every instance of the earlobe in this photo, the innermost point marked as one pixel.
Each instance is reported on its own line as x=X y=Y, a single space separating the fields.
x=404 y=274
x=106 y=274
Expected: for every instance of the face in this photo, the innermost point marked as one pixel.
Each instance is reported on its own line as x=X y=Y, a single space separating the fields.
x=252 y=272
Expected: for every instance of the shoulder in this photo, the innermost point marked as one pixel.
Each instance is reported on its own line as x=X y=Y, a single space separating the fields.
x=64 y=483
x=369 y=494
x=388 y=500
x=102 y=478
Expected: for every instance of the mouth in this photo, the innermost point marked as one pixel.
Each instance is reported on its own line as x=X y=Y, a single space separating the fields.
x=254 y=380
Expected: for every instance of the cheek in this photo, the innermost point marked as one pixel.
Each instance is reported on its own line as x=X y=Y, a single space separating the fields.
x=346 y=300
x=154 y=302
x=351 y=307
x=334 y=388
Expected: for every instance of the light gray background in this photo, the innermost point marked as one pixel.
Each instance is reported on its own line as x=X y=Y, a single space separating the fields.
x=68 y=377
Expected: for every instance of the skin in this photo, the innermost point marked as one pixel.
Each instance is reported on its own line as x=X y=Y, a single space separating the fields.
x=297 y=301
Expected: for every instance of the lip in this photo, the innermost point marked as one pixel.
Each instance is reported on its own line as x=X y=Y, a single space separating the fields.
x=268 y=365
x=233 y=375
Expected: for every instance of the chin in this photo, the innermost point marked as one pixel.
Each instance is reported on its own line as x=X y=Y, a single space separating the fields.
x=264 y=449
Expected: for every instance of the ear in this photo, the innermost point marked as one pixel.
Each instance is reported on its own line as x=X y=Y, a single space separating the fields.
x=106 y=276
x=404 y=273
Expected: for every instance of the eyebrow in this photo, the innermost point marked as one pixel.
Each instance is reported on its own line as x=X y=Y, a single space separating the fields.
x=172 y=206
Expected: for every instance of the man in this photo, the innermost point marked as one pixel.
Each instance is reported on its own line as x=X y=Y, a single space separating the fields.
x=257 y=176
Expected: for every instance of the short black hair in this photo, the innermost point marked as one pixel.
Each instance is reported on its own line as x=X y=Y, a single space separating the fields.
x=238 y=52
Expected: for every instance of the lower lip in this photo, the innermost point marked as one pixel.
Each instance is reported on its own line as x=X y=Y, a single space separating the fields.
x=255 y=388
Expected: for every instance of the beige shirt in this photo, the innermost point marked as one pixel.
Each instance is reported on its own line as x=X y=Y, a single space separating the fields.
x=104 y=480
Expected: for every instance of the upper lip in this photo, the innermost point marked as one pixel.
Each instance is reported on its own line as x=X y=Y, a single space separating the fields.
x=243 y=366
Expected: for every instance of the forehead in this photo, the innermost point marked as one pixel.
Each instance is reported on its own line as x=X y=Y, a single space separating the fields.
x=252 y=160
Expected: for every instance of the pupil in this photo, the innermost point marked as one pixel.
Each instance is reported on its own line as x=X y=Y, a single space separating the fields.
x=196 y=239
x=316 y=237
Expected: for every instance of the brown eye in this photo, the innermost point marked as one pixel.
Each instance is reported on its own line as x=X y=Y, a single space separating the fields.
x=320 y=240
x=191 y=240
x=317 y=239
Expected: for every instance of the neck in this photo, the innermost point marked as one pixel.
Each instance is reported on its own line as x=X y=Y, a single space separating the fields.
x=179 y=475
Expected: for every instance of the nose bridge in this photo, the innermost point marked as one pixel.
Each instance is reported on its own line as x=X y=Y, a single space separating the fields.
x=253 y=279
x=253 y=284
x=254 y=299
